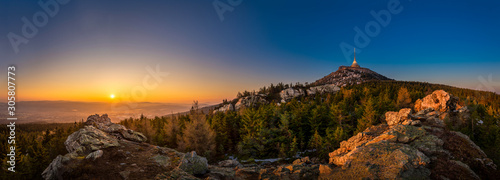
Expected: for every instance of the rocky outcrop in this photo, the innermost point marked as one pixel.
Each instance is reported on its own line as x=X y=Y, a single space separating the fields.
x=439 y=100
x=290 y=93
x=104 y=123
x=327 y=88
x=413 y=146
x=96 y=142
x=250 y=101
x=400 y=117
x=193 y=164
x=225 y=107
x=89 y=139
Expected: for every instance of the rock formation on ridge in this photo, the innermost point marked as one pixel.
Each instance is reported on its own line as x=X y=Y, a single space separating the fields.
x=414 y=146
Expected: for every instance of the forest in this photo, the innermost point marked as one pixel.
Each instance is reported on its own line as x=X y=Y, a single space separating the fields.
x=310 y=125
x=306 y=126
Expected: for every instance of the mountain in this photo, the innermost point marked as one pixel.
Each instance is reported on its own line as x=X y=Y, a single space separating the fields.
x=347 y=75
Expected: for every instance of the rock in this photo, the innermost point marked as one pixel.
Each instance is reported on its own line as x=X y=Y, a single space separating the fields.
x=125 y=174
x=409 y=143
x=94 y=155
x=327 y=88
x=104 y=123
x=247 y=173
x=250 y=101
x=338 y=156
x=438 y=100
x=98 y=121
x=406 y=133
x=429 y=145
x=435 y=122
x=133 y=135
x=161 y=160
x=53 y=171
x=466 y=169
x=394 y=118
x=290 y=172
x=325 y=169
x=193 y=164
x=230 y=163
x=290 y=93
x=216 y=172
x=176 y=174
x=424 y=112
x=226 y=107
x=301 y=161
x=386 y=160
x=89 y=139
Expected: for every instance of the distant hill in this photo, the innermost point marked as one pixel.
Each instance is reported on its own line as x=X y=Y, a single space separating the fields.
x=346 y=75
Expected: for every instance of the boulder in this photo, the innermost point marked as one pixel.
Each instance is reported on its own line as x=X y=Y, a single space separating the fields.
x=226 y=107
x=290 y=172
x=133 y=135
x=161 y=160
x=247 y=173
x=438 y=100
x=338 y=156
x=124 y=174
x=406 y=133
x=430 y=145
x=98 y=121
x=304 y=160
x=327 y=88
x=325 y=169
x=193 y=164
x=250 y=101
x=53 y=171
x=89 y=139
x=393 y=118
x=230 y=163
x=94 y=155
x=290 y=93
x=386 y=160
x=104 y=123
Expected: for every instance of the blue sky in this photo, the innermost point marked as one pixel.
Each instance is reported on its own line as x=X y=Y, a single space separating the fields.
x=258 y=43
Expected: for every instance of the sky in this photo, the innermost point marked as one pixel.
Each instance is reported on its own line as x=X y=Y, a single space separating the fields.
x=180 y=51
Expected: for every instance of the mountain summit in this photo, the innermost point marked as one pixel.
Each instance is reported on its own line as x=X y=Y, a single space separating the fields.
x=353 y=74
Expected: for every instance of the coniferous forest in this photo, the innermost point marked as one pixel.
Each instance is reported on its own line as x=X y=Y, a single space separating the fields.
x=306 y=126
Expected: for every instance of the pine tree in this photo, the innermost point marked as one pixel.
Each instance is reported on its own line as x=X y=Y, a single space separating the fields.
x=199 y=137
x=368 y=118
x=294 y=147
x=404 y=99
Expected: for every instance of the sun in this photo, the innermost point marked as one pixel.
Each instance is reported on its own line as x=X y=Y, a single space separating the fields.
x=112 y=96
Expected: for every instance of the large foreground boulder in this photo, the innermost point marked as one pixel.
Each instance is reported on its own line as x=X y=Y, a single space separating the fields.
x=89 y=139
x=414 y=146
x=104 y=123
x=88 y=143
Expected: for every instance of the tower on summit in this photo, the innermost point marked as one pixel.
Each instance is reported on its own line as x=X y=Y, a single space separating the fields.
x=355 y=64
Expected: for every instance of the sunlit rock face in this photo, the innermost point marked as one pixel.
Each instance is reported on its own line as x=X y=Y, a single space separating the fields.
x=409 y=143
